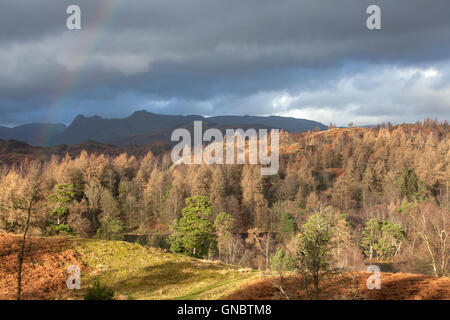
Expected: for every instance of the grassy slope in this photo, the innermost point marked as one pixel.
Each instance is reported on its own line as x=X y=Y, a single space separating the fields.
x=137 y=272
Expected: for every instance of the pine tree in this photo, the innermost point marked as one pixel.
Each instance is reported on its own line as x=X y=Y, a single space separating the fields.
x=288 y=227
x=194 y=234
x=63 y=195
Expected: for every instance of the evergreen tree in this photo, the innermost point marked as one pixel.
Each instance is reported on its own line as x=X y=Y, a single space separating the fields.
x=288 y=227
x=194 y=234
x=313 y=250
x=63 y=195
x=381 y=238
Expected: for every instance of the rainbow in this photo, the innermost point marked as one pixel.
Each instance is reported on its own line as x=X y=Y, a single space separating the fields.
x=105 y=11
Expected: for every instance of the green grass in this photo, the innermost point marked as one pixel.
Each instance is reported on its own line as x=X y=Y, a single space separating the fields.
x=138 y=272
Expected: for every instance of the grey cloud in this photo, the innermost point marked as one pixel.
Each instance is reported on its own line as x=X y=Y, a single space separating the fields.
x=212 y=57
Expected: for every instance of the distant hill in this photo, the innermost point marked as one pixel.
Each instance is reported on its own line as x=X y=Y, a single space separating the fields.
x=35 y=134
x=110 y=130
x=141 y=128
x=165 y=135
x=14 y=152
x=291 y=125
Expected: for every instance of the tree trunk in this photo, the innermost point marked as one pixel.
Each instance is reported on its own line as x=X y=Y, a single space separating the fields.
x=21 y=254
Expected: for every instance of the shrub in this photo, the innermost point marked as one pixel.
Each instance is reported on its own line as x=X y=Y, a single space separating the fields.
x=112 y=229
x=99 y=292
x=141 y=241
x=280 y=261
x=61 y=229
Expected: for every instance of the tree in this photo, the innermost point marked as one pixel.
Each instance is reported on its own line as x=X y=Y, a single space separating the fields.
x=370 y=235
x=261 y=243
x=224 y=228
x=194 y=234
x=383 y=238
x=111 y=227
x=288 y=227
x=410 y=185
x=312 y=250
x=23 y=200
x=432 y=226
x=280 y=262
x=63 y=195
x=253 y=199
x=392 y=237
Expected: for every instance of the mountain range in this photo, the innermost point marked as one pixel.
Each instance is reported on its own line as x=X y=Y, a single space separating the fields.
x=141 y=128
x=34 y=133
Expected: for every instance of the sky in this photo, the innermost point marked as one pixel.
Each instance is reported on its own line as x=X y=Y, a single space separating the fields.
x=302 y=58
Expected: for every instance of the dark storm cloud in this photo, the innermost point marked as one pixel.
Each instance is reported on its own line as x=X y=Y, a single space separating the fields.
x=304 y=58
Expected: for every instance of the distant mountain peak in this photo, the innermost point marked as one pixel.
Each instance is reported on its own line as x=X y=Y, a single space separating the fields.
x=143 y=111
x=147 y=125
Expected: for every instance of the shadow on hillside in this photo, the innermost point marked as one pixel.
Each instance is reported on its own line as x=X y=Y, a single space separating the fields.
x=156 y=277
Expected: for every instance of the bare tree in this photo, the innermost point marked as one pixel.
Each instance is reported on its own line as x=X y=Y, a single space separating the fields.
x=23 y=200
x=432 y=225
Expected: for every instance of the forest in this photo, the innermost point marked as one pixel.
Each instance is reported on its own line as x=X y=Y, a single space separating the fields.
x=370 y=195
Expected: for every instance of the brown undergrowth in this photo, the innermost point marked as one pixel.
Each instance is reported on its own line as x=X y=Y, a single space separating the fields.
x=44 y=268
x=352 y=286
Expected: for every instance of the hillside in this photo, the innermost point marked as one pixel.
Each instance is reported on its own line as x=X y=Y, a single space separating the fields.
x=142 y=127
x=16 y=152
x=138 y=272
x=35 y=134
x=352 y=286
x=132 y=270
x=383 y=193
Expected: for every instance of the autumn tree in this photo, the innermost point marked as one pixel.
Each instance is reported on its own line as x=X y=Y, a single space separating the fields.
x=111 y=227
x=432 y=225
x=262 y=245
x=224 y=229
x=23 y=199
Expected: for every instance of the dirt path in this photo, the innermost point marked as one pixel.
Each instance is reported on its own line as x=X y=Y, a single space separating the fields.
x=199 y=294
